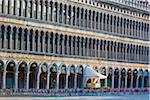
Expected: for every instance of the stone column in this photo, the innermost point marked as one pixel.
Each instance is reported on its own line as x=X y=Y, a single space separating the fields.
x=116 y=21
x=119 y=27
x=27 y=84
x=4 y=11
x=83 y=47
x=62 y=16
x=91 y=22
x=48 y=42
x=10 y=42
x=126 y=80
x=58 y=8
x=143 y=32
x=116 y=51
x=112 y=84
x=122 y=29
x=76 y=52
x=72 y=49
x=131 y=84
x=52 y=12
x=4 y=79
x=83 y=20
x=147 y=32
x=102 y=21
x=102 y=49
x=95 y=24
x=112 y=23
x=75 y=16
x=16 y=7
x=16 y=39
x=37 y=9
x=109 y=24
x=54 y=46
x=47 y=10
x=63 y=44
x=106 y=56
x=95 y=46
x=137 y=81
x=142 y=81
x=140 y=31
x=58 y=44
x=48 y=81
x=125 y=27
x=136 y=32
x=43 y=41
x=33 y=40
x=106 y=22
x=38 y=80
x=39 y=44
x=126 y=54
x=98 y=48
x=91 y=49
x=107 y=76
x=26 y=8
x=28 y=40
x=71 y=16
x=22 y=39
x=87 y=49
x=98 y=25
x=16 y=79
x=10 y=8
x=66 y=87
x=75 y=81
x=113 y=52
x=119 y=79
x=67 y=21
x=4 y=45
x=80 y=47
x=87 y=24
x=137 y=55
x=32 y=8
x=58 y=73
x=68 y=45
x=79 y=17
x=42 y=9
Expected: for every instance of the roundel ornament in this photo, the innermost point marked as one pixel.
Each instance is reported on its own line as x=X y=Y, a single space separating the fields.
x=44 y=68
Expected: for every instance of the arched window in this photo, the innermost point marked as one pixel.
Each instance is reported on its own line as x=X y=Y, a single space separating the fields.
x=53 y=77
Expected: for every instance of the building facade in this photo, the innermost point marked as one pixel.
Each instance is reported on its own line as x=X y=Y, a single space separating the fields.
x=46 y=44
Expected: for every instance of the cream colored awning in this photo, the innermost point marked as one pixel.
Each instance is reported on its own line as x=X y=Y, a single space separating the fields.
x=91 y=73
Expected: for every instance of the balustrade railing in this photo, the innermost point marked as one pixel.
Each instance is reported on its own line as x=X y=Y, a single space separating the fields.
x=72 y=92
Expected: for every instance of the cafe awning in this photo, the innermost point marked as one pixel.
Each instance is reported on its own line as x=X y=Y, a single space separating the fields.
x=91 y=73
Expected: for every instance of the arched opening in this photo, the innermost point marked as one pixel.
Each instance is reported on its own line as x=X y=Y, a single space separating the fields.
x=1 y=73
x=53 y=76
x=116 y=78
x=10 y=75
x=140 y=78
x=33 y=75
x=146 y=79
x=62 y=77
x=102 y=81
x=80 y=77
x=43 y=76
x=22 y=75
x=135 y=73
x=71 y=77
x=123 y=75
x=128 y=78
x=109 y=78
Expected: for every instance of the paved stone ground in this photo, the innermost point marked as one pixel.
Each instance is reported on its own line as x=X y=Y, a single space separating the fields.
x=126 y=97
